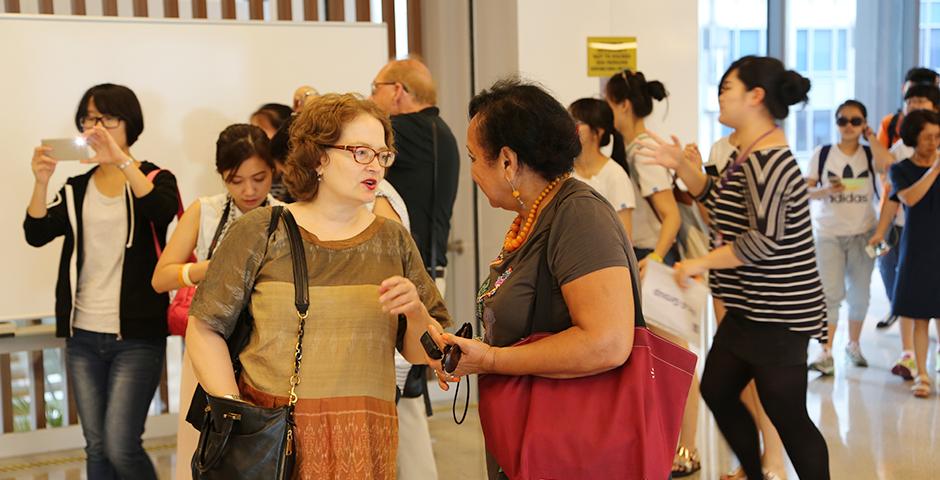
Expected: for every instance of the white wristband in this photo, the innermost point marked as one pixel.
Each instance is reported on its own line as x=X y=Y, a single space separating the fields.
x=126 y=163
x=185 y=275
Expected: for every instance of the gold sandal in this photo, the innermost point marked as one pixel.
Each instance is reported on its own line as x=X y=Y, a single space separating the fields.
x=921 y=387
x=685 y=463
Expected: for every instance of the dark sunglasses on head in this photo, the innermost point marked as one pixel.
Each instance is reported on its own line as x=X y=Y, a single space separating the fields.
x=855 y=121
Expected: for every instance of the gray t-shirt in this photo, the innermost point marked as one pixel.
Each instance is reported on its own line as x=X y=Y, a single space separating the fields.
x=582 y=234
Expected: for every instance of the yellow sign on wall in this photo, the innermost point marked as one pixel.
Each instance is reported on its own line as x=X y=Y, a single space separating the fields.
x=610 y=55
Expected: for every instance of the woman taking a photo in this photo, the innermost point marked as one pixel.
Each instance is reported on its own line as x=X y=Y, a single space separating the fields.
x=364 y=271
x=763 y=267
x=114 y=323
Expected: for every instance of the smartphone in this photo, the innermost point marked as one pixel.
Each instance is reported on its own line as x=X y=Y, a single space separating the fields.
x=65 y=149
x=430 y=346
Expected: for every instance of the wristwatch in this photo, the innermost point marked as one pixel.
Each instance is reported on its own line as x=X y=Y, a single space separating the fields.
x=122 y=166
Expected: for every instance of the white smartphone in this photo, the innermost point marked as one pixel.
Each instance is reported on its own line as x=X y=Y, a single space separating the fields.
x=64 y=149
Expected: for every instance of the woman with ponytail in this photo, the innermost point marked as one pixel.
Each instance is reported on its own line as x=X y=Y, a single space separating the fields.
x=763 y=267
x=595 y=122
x=656 y=219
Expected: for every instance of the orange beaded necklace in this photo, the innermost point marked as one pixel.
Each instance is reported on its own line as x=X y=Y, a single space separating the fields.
x=518 y=233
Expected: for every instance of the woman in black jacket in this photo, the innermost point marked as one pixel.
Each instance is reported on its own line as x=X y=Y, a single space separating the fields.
x=112 y=218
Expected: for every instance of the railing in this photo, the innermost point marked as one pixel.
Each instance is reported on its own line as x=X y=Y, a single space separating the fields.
x=334 y=11
x=37 y=407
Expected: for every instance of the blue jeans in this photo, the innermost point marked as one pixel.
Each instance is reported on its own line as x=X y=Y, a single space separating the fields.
x=113 y=382
x=888 y=263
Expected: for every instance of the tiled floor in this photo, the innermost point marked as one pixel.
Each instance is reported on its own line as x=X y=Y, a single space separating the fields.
x=874 y=427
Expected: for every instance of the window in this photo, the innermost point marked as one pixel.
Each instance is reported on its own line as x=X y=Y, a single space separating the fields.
x=930 y=33
x=730 y=29
x=822 y=50
x=819 y=46
x=801 y=50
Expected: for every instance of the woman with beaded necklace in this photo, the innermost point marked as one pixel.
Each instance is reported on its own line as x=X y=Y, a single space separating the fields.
x=522 y=144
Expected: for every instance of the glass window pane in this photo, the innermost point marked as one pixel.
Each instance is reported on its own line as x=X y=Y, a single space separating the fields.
x=924 y=10
x=934 y=13
x=800 y=133
x=801 y=50
x=822 y=50
x=934 y=47
x=841 y=48
x=822 y=131
x=750 y=43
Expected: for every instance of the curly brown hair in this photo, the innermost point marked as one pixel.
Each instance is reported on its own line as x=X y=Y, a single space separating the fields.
x=321 y=122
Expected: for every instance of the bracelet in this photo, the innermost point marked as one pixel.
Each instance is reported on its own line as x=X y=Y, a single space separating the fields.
x=127 y=163
x=234 y=396
x=184 y=275
x=655 y=257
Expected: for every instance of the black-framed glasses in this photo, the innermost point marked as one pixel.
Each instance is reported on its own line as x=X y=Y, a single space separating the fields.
x=107 y=121
x=364 y=155
x=855 y=121
x=376 y=85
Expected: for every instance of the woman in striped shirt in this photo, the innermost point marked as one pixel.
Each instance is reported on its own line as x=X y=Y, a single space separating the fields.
x=763 y=267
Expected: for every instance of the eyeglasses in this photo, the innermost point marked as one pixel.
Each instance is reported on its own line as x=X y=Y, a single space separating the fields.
x=364 y=155
x=107 y=121
x=855 y=121
x=376 y=85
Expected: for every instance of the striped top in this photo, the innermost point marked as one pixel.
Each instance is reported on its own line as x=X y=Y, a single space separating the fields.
x=763 y=213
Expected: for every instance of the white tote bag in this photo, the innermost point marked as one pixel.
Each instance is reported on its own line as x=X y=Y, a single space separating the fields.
x=677 y=310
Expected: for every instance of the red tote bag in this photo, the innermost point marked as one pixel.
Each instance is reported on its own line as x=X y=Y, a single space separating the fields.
x=620 y=424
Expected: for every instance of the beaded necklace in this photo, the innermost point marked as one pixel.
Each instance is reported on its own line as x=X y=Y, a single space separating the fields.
x=519 y=232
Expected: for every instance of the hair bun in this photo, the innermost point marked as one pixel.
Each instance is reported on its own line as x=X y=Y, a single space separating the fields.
x=657 y=90
x=793 y=88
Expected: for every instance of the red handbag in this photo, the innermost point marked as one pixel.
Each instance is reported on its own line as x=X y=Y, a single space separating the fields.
x=177 y=315
x=620 y=424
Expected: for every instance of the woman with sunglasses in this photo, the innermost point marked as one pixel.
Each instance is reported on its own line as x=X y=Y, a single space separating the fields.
x=762 y=266
x=113 y=321
x=842 y=181
x=364 y=271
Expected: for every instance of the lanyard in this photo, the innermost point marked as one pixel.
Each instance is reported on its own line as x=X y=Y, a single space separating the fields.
x=741 y=159
x=730 y=171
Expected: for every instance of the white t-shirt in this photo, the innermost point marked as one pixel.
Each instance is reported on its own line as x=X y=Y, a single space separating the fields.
x=210 y=212
x=614 y=184
x=104 y=233
x=720 y=153
x=647 y=179
x=851 y=212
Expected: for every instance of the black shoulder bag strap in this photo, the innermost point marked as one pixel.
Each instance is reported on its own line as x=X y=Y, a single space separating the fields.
x=221 y=226
x=301 y=302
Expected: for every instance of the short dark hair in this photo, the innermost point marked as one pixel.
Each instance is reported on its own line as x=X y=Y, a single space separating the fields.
x=782 y=87
x=632 y=86
x=117 y=101
x=524 y=117
x=276 y=113
x=238 y=143
x=853 y=103
x=930 y=92
x=598 y=115
x=914 y=123
x=921 y=76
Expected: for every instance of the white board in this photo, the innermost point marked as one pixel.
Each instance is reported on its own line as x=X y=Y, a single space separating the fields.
x=193 y=78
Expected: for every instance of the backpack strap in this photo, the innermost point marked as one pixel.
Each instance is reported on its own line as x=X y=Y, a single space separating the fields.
x=823 y=156
x=870 y=156
x=893 y=128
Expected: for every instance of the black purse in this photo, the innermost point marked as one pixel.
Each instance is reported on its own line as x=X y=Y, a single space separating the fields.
x=238 y=440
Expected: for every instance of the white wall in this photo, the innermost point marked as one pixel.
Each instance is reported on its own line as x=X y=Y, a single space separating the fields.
x=553 y=50
x=193 y=78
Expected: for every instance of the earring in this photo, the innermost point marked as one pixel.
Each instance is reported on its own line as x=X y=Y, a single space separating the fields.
x=516 y=193
x=319 y=177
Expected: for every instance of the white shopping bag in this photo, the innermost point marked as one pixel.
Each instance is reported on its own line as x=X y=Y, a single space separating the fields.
x=665 y=305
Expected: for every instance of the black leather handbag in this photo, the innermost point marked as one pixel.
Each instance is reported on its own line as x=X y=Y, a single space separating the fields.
x=238 y=440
